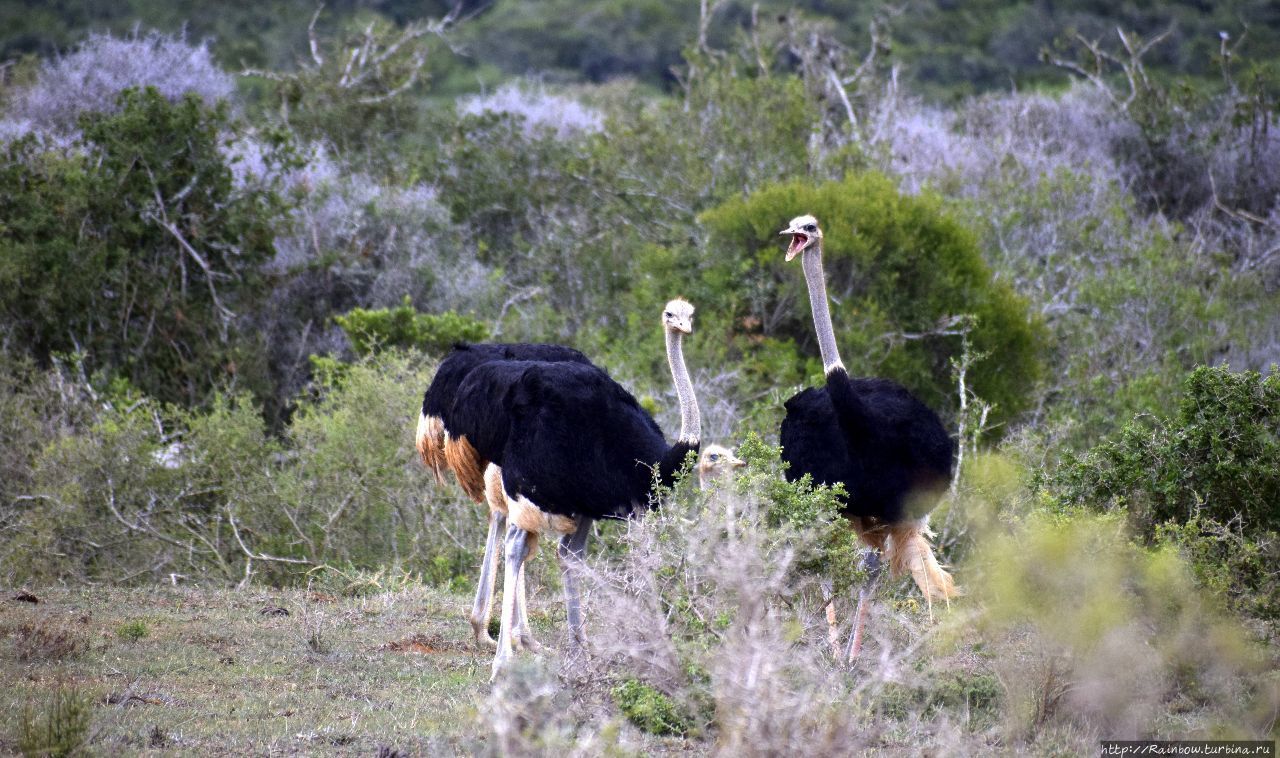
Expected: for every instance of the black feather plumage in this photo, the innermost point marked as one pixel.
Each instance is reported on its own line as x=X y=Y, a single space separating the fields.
x=439 y=398
x=873 y=436
x=576 y=443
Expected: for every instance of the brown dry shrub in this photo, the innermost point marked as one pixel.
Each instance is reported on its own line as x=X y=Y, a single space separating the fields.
x=47 y=639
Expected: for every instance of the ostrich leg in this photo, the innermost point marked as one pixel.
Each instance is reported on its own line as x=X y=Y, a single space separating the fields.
x=482 y=608
x=517 y=551
x=524 y=635
x=833 y=630
x=572 y=548
x=871 y=562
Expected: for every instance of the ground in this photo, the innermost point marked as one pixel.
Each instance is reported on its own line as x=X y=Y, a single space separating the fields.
x=182 y=670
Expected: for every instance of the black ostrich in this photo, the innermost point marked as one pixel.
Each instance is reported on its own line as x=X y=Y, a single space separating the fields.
x=576 y=447
x=442 y=449
x=889 y=450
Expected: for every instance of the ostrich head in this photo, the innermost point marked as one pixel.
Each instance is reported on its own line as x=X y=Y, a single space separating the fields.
x=716 y=464
x=804 y=232
x=677 y=316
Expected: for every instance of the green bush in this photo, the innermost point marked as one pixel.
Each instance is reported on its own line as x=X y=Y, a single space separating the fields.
x=136 y=249
x=145 y=490
x=648 y=709
x=132 y=631
x=1218 y=456
x=896 y=267
x=60 y=727
x=1080 y=601
x=371 y=330
x=1205 y=479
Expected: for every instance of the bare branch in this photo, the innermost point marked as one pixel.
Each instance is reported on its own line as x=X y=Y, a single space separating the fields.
x=311 y=37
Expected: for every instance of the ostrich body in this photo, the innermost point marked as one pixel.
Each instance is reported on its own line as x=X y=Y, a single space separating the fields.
x=889 y=450
x=577 y=448
x=441 y=448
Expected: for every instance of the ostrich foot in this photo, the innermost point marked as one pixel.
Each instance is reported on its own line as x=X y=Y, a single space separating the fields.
x=500 y=662
x=481 y=632
x=524 y=638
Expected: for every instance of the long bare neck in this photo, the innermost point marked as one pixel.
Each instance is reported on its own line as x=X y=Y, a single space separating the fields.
x=816 y=280
x=690 y=418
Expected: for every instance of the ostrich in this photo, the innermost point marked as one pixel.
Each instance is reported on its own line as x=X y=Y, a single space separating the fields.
x=576 y=448
x=442 y=450
x=888 y=449
x=715 y=465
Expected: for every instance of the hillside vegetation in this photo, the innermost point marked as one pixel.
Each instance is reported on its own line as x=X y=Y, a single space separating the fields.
x=231 y=258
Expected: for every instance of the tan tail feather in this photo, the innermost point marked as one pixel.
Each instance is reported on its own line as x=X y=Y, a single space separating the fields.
x=430 y=444
x=494 y=491
x=466 y=464
x=908 y=550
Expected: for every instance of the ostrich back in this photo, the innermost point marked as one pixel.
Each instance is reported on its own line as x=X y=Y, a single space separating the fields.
x=892 y=462
x=576 y=442
x=440 y=395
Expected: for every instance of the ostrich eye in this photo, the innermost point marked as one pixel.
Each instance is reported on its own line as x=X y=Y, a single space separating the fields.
x=715 y=456
x=811 y=227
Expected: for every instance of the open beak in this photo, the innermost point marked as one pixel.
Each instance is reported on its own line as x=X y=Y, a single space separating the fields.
x=799 y=240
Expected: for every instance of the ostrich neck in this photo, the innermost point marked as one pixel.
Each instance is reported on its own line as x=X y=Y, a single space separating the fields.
x=816 y=280
x=690 y=419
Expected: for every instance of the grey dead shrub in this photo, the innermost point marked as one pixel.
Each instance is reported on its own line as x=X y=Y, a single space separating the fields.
x=996 y=138
x=90 y=77
x=353 y=241
x=530 y=711
x=714 y=603
x=538 y=108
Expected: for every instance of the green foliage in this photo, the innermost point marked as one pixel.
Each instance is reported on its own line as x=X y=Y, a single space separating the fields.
x=1072 y=588
x=59 y=727
x=1205 y=480
x=648 y=708
x=977 y=697
x=1243 y=569
x=138 y=252
x=639 y=39
x=210 y=493
x=807 y=513
x=132 y=631
x=371 y=330
x=1219 y=456
x=898 y=269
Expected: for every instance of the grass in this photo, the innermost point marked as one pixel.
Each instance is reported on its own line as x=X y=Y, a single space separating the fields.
x=396 y=673
x=228 y=672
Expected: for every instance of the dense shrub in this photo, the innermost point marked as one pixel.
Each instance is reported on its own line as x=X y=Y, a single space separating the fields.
x=147 y=491
x=91 y=78
x=1067 y=600
x=1206 y=479
x=136 y=248
x=1218 y=456
x=898 y=270
x=404 y=327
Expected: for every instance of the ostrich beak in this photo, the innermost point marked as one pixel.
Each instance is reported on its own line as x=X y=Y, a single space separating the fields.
x=684 y=326
x=799 y=241
x=737 y=462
